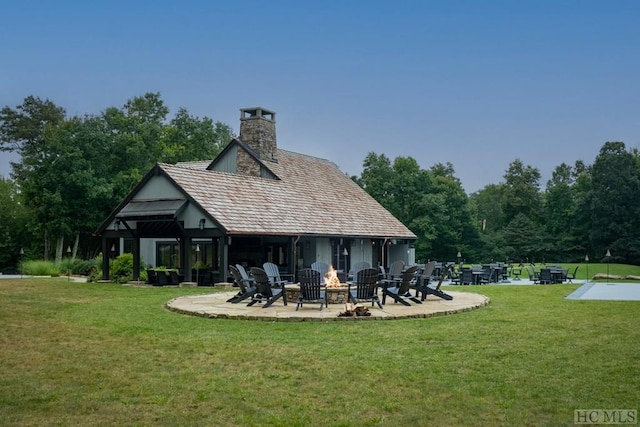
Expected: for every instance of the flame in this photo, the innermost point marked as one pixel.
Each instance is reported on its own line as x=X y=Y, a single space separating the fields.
x=331 y=280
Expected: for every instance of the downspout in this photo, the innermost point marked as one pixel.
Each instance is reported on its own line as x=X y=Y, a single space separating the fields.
x=384 y=252
x=294 y=262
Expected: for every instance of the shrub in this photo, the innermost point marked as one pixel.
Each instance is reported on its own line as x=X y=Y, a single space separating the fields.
x=40 y=268
x=86 y=266
x=122 y=268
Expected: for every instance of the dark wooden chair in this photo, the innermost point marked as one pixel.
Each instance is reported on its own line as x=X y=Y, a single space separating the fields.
x=265 y=293
x=424 y=277
x=311 y=288
x=435 y=290
x=246 y=286
x=401 y=291
x=365 y=287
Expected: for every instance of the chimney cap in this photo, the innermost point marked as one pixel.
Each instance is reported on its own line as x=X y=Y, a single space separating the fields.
x=256 y=113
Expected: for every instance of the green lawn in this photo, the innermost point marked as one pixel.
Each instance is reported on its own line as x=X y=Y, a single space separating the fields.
x=99 y=354
x=621 y=270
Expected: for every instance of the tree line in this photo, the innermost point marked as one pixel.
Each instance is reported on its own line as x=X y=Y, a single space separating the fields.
x=74 y=170
x=584 y=210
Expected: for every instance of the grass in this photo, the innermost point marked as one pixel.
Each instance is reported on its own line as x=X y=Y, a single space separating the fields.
x=96 y=354
x=622 y=270
x=40 y=268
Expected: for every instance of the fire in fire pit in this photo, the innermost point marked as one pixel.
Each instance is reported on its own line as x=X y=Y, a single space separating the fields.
x=331 y=280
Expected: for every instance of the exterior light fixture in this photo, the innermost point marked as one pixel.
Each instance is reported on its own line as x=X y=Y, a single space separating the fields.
x=116 y=225
x=202 y=222
x=608 y=256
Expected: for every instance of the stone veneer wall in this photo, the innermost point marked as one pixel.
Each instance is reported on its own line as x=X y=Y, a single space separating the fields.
x=259 y=133
x=246 y=165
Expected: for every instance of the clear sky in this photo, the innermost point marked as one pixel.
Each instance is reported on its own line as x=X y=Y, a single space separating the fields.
x=475 y=83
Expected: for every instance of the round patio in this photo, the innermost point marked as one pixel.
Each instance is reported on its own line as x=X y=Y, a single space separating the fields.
x=215 y=306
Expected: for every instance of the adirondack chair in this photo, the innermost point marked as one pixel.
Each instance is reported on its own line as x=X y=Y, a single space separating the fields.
x=395 y=270
x=247 y=288
x=365 y=287
x=435 y=290
x=244 y=274
x=321 y=267
x=265 y=293
x=311 y=288
x=356 y=267
x=400 y=291
x=273 y=273
x=424 y=278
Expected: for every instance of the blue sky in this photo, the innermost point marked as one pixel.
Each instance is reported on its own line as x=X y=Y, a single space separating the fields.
x=475 y=83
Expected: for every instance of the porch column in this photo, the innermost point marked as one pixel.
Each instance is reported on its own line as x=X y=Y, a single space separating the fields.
x=105 y=259
x=223 y=248
x=136 y=258
x=185 y=254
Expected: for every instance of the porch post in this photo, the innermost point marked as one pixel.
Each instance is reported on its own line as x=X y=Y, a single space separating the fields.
x=185 y=254
x=105 y=259
x=136 y=258
x=223 y=247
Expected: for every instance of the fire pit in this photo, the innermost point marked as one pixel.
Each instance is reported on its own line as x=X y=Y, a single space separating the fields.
x=337 y=293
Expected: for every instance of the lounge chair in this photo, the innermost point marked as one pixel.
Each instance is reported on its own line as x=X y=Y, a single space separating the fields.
x=273 y=273
x=311 y=288
x=265 y=293
x=400 y=291
x=365 y=287
x=246 y=286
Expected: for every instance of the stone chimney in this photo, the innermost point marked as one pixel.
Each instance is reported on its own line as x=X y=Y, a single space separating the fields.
x=258 y=131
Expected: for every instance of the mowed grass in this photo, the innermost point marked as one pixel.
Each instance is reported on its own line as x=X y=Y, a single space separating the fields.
x=99 y=354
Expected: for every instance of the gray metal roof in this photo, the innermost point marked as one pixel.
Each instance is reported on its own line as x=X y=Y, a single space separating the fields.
x=152 y=208
x=312 y=197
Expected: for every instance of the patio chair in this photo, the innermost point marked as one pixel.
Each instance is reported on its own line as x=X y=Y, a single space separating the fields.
x=365 y=287
x=534 y=275
x=357 y=266
x=425 y=289
x=244 y=274
x=571 y=276
x=265 y=293
x=321 y=267
x=466 y=276
x=273 y=273
x=394 y=274
x=311 y=288
x=247 y=289
x=400 y=291
x=545 y=276
x=424 y=277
